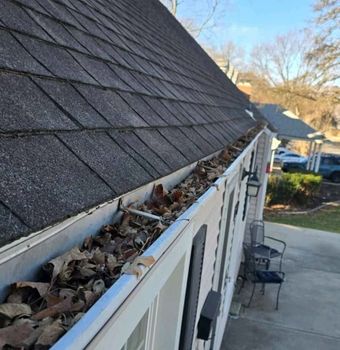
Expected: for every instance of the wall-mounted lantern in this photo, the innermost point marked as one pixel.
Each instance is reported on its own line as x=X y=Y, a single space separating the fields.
x=253 y=183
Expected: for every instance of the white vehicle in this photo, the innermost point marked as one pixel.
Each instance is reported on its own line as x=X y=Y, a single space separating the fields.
x=291 y=157
x=280 y=152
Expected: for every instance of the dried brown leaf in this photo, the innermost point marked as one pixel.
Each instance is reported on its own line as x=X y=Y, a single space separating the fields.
x=98 y=257
x=98 y=287
x=16 y=336
x=10 y=310
x=50 y=335
x=134 y=268
x=88 y=242
x=40 y=287
x=104 y=239
x=67 y=305
x=111 y=262
x=59 y=263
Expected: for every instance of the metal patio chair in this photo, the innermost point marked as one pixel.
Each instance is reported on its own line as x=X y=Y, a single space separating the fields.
x=256 y=275
x=260 y=249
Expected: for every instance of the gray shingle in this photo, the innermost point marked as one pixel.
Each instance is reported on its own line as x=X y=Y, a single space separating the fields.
x=208 y=137
x=65 y=95
x=111 y=106
x=144 y=163
x=100 y=71
x=188 y=149
x=125 y=69
x=176 y=108
x=23 y=106
x=168 y=153
x=113 y=53
x=11 y=227
x=190 y=113
x=286 y=126
x=168 y=116
x=14 y=56
x=40 y=178
x=108 y=160
x=197 y=139
x=149 y=155
x=51 y=56
x=16 y=18
x=60 y=12
x=129 y=79
x=215 y=134
x=143 y=109
x=57 y=31
x=34 y=5
x=89 y=42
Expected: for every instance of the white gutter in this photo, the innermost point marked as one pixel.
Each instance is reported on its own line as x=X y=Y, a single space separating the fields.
x=96 y=317
x=23 y=258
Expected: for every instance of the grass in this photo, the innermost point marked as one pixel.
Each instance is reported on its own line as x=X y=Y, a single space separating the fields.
x=326 y=219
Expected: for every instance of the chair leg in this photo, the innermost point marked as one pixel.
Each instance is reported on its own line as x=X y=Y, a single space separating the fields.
x=263 y=288
x=278 y=296
x=252 y=294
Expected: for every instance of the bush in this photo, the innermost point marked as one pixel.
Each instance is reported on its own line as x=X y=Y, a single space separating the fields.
x=292 y=188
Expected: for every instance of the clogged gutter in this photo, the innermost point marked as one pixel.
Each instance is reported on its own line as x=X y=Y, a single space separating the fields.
x=36 y=314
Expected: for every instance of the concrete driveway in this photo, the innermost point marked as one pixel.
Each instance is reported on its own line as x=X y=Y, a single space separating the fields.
x=309 y=313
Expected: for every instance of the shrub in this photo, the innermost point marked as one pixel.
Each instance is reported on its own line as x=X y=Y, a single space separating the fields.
x=292 y=188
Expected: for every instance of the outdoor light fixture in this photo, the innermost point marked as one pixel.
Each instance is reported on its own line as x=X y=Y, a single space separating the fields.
x=253 y=186
x=253 y=183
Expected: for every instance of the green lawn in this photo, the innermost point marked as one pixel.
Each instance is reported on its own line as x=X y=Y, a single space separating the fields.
x=327 y=219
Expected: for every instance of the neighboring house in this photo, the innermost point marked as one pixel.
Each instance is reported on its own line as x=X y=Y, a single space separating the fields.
x=101 y=100
x=290 y=127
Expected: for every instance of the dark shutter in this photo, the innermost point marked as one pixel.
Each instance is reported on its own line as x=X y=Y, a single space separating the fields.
x=193 y=288
x=225 y=241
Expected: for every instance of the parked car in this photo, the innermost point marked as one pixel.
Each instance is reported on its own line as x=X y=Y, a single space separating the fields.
x=279 y=153
x=292 y=157
x=291 y=167
x=329 y=167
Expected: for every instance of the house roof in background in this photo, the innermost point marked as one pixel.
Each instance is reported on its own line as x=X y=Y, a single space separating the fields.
x=287 y=124
x=97 y=98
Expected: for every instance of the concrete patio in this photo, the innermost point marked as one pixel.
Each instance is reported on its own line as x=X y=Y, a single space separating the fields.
x=309 y=311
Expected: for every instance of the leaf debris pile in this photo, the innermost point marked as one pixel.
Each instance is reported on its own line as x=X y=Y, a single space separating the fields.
x=36 y=314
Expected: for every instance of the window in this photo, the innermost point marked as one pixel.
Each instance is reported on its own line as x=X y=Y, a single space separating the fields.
x=137 y=339
x=328 y=161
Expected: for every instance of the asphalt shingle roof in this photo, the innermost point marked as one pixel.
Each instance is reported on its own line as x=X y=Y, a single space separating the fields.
x=285 y=126
x=98 y=98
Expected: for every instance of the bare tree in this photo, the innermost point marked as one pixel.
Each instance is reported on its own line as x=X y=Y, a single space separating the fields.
x=197 y=24
x=285 y=74
x=228 y=53
x=172 y=5
x=326 y=51
x=283 y=61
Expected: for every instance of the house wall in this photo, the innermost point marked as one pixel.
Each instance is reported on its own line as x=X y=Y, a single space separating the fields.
x=148 y=312
x=210 y=210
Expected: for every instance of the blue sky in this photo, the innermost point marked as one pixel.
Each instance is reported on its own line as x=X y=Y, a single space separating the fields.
x=249 y=22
